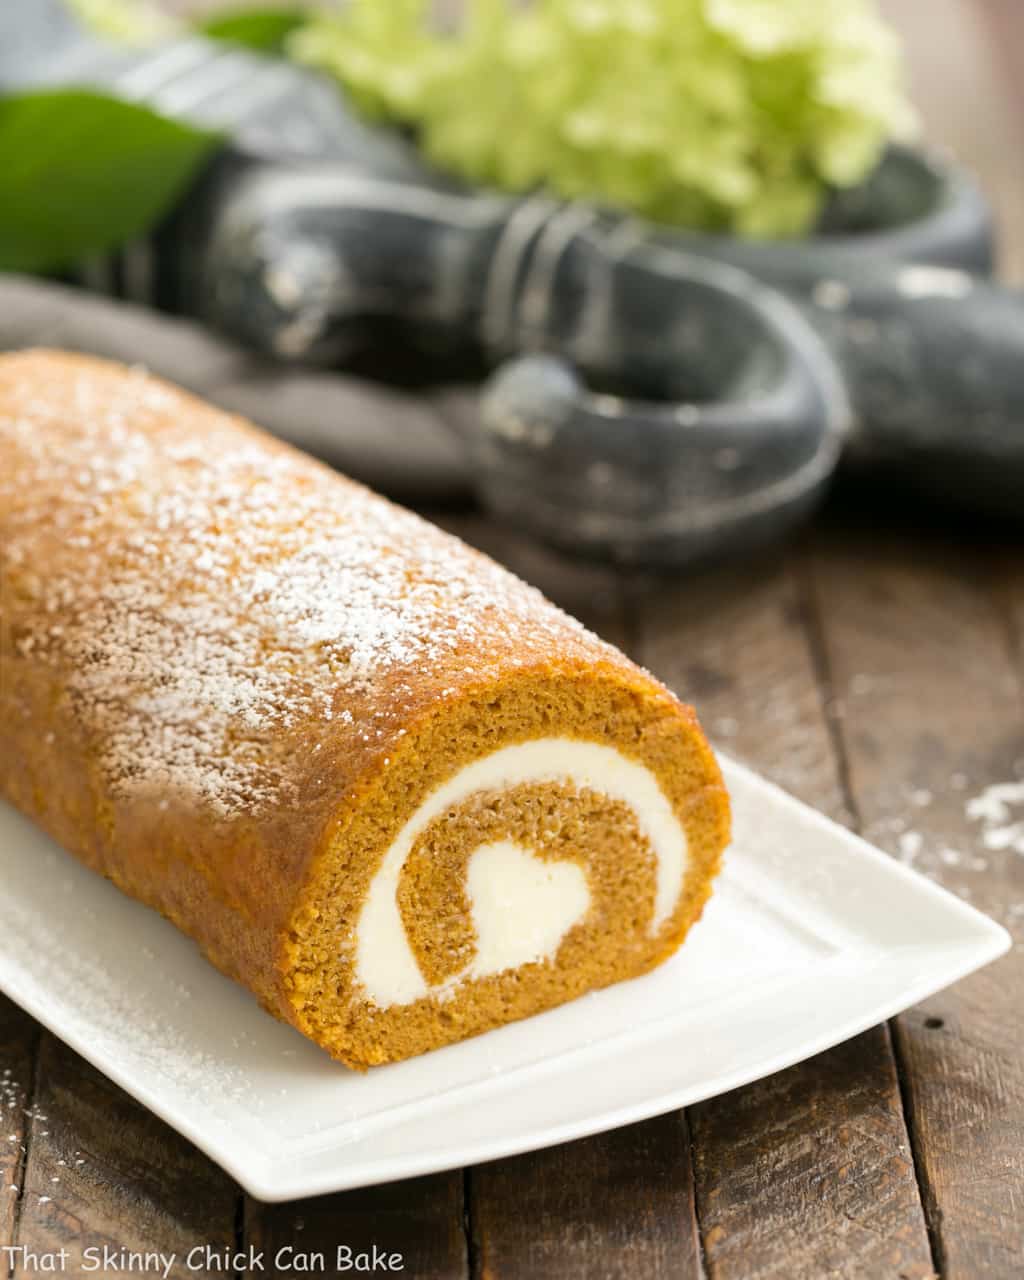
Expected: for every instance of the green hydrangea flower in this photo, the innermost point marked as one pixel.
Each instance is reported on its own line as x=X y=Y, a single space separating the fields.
x=134 y=21
x=730 y=115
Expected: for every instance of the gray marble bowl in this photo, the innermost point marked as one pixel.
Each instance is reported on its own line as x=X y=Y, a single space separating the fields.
x=916 y=206
x=728 y=406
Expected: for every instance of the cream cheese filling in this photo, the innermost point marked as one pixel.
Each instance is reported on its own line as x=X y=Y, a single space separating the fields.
x=522 y=906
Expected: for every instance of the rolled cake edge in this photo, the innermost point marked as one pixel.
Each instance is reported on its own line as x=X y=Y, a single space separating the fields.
x=272 y=894
x=613 y=706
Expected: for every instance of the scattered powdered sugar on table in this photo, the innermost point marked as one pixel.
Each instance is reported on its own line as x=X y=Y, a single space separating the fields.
x=1000 y=810
x=204 y=592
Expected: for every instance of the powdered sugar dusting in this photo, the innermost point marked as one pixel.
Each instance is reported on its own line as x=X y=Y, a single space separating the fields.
x=1000 y=810
x=202 y=591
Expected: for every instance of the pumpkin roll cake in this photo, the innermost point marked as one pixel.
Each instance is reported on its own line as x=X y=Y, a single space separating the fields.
x=380 y=781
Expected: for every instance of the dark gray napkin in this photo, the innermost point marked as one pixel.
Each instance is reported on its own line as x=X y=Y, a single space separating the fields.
x=404 y=444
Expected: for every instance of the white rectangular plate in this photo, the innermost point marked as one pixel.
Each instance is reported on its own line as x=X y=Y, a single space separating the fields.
x=811 y=937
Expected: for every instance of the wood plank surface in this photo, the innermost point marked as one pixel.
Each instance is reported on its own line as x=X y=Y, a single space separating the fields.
x=932 y=715
x=925 y=626
x=103 y=1172
x=617 y=1206
x=19 y=1036
x=417 y=1225
x=809 y=1172
x=964 y=59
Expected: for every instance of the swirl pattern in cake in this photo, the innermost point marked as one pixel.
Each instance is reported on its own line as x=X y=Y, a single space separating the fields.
x=381 y=782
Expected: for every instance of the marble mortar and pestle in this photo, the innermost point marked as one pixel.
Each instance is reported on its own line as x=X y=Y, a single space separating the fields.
x=657 y=397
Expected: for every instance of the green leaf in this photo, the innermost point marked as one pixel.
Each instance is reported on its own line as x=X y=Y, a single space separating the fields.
x=265 y=30
x=83 y=173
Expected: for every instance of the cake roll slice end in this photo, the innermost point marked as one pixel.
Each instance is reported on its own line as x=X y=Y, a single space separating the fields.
x=378 y=779
x=526 y=844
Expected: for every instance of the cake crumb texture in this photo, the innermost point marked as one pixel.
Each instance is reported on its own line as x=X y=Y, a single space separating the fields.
x=229 y=676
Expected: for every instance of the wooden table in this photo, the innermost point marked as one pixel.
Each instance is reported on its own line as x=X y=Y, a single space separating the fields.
x=875 y=668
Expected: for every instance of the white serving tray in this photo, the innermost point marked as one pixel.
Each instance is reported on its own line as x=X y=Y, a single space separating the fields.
x=811 y=936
